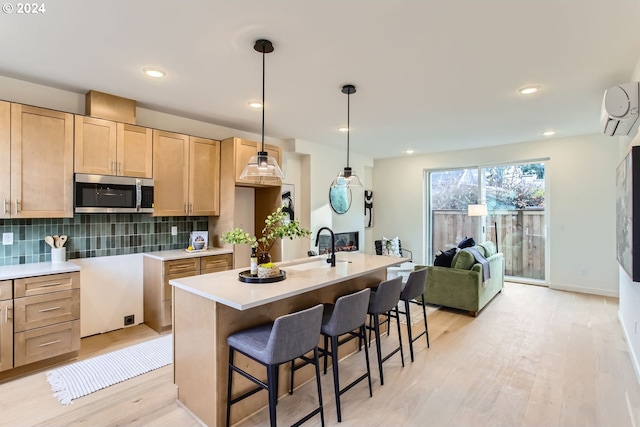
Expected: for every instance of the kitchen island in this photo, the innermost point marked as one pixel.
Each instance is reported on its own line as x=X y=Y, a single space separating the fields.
x=208 y=308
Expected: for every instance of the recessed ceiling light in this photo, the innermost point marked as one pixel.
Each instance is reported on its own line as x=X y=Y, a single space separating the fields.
x=343 y=128
x=255 y=104
x=528 y=90
x=409 y=151
x=154 y=72
x=549 y=132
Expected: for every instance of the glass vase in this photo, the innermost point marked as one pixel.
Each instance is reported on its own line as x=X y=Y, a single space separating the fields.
x=264 y=257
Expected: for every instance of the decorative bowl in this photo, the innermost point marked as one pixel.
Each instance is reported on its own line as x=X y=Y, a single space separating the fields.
x=268 y=272
x=198 y=245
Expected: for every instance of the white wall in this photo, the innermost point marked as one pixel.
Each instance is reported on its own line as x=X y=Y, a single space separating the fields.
x=629 y=310
x=295 y=170
x=581 y=204
x=324 y=165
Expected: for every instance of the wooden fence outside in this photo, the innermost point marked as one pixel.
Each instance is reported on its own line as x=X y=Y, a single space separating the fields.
x=521 y=237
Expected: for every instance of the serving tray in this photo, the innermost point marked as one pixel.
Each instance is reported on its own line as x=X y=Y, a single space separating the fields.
x=247 y=277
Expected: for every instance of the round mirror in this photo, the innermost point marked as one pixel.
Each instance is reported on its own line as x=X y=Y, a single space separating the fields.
x=340 y=198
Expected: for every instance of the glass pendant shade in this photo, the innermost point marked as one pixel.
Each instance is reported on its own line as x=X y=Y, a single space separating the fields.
x=348 y=178
x=262 y=168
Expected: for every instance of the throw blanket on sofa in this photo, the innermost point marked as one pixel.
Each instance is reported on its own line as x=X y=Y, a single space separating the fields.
x=486 y=272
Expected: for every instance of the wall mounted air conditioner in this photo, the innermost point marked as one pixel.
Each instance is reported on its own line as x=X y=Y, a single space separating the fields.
x=619 y=115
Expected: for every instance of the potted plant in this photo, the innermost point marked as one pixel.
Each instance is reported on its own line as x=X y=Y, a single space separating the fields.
x=275 y=228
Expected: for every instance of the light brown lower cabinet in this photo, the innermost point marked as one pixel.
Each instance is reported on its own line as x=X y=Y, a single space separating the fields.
x=6 y=325
x=40 y=321
x=157 y=291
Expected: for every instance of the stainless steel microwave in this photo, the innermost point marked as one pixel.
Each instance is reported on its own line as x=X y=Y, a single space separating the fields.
x=112 y=194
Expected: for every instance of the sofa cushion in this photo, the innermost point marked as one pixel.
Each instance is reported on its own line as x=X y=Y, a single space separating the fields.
x=463 y=260
x=395 y=246
x=489 y=248
x=445 y=258
x=466 y=242
x=480 y=250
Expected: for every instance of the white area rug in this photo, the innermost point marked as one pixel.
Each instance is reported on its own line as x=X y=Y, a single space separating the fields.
x=81 y=378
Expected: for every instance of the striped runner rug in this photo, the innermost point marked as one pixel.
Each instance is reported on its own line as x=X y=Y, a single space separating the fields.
x=84 y=377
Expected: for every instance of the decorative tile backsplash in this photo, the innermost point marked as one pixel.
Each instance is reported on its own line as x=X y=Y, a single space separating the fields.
x=96 y=235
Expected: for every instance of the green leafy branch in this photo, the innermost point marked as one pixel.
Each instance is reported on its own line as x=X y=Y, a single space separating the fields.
x=275 y=228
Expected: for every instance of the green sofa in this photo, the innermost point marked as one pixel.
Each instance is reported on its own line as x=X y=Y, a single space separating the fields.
x=461 y=286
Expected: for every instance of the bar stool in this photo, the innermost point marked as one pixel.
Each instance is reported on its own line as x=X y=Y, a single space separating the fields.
x=291 y=336
x=414 y=288
x=384 y=300
x=348 y=314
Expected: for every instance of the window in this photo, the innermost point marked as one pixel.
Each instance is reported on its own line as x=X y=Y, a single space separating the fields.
x=516 y=220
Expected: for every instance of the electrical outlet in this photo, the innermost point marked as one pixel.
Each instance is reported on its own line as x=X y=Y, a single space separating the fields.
x=129 y=320
x=174 y=230
x=7 y=238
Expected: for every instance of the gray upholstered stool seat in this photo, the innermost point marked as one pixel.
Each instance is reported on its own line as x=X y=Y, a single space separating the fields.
x=289 y=337
x=412 y=294
x=383 y=301
x=347 y=315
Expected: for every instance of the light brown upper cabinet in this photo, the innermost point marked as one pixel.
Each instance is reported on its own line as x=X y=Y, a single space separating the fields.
x=41 y=153
x=204 y=177
x=5 y=159
x=238 y=151
x=186 y=175
x=108 y=148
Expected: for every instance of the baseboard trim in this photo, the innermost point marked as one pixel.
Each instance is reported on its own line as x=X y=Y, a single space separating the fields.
x=602 y=292
x=634 y=359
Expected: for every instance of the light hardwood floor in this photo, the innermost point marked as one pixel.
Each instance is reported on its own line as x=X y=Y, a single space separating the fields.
x=533 y=357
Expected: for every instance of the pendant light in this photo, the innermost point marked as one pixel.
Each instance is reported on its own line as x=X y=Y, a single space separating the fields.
x=347 y=177
x=262 y=167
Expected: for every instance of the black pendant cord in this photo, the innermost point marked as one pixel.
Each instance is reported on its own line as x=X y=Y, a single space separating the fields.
x=348 y=125
x=263 y=80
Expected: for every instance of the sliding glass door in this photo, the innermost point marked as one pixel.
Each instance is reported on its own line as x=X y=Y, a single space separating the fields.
x=515 y=221
x=451 y=192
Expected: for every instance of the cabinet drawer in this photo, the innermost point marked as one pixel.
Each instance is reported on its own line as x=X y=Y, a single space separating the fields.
x=166 y=313
x=181 y=266
x=44 y=284
x=213 y=263
x=44 y=310
x=44 y=343
x=166 y=288
x=6 y=290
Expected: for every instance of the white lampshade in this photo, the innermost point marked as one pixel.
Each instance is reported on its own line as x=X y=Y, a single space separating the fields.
x=477 y=210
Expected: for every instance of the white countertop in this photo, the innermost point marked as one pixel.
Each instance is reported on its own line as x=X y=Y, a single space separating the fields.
x=18 y=271
x=181 y=253
x=303 y=275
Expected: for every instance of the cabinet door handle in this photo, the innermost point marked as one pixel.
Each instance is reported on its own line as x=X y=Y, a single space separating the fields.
x=112 y=164
x=48 y=309
x=120 y=168
x=49 y=343
x=46 y=285
x=190 y=207
x=17 y=204
x=186 y=208
x=6 y=313
x=7 y=206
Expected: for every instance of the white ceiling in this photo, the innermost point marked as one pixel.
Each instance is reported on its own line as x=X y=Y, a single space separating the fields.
x=430 y=75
